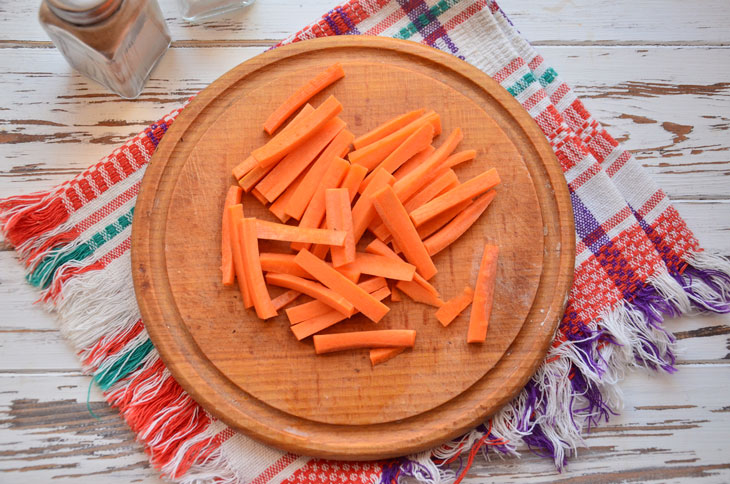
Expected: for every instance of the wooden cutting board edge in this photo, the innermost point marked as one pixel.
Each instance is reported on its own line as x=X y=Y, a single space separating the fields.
x=393 y=439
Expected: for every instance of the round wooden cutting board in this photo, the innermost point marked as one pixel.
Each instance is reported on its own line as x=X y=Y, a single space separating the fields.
x=254 y=375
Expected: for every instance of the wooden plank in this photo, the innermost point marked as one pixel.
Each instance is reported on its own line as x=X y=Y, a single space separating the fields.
x=263 y=23
x=675 y=119
x=48 y=433
x=555 y=22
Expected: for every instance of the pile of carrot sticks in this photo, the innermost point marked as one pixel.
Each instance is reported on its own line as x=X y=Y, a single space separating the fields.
x=330 y=190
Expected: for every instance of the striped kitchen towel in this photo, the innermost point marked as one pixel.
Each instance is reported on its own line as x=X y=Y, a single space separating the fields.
x=636 y=262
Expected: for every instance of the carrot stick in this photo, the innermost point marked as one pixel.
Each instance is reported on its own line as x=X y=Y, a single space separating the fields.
x=416 y=142
x=312 y=309
x=315 y=325
x=454 y=306
x=233 y=197
x=363 y=212
x=277 y=208
x=285 y=298
x=254 y=276
x=302 y=95
x=282 y=264
x=416 y=160
x=395 y=217
x=373 y=154
x=244 y=167
x=296 y=133
x=438 y=222
x=235 y=220
x=458 y=225
x=395 y=295
x=258 y=196
x=381 y=355
x=418 y=293
x=466 y=191
x=314 y=214
x=293 y=164
x=481 y=308
x=428 y=170
x=353 y=180
x=363 y=302
x=390 y=126
x=339 y=218
x=386 y=338
x=379 y=265
x=250 y=164
x=291 y=233
x=312 y=289
x=379 y=248
x=303 y=195
x=441 y=184
x=250 y=179
x=460 y=157
x=307 y=310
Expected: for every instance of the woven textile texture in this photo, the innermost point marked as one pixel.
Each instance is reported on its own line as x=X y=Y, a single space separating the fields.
x=636 y=262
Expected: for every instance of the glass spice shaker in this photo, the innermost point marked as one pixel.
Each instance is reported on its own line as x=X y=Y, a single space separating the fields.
x=114 y=42
x=196 y=10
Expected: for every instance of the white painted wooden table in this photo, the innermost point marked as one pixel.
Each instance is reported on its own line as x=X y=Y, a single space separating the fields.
x=657 y=72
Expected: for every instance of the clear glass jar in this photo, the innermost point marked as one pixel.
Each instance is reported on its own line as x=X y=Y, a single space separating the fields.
x=196 y=10
x=114 y=42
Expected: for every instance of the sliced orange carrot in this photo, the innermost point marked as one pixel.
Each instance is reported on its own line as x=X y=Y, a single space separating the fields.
x=315 y=325
x=296 y=133
x=307 y=310
x=353 y=180
x=386 y=338
x=459 y=224
x=258 y=196
x=364 y=212
x=481 y=308
x=320 y=250
x=438 y=222
x=299 y=201
x=293 y=164
x=373 y=154
x=235 y=220
x=418 y=293
x=390 y=126
x=292 y=233
x=312 y=309
x=381 y=355
x=314 y=214
x=363 y=302
x=466 y=191
x=454 y=306
x=379 y=248
x=285 y=298
x=416 y=160
x=233 y=197
x=302 y=95
x=339 y=217
x=395 y=295
x=416 y=142
x=407 y=186
x=250 y=179
x=250 y=164
x=395 y=217
x=312 y=289
x=379 y=265
x=441 y=184
x=244 y=167
x=277 y=208
x=282 y=264
x=254 y=276
x=460 y=157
